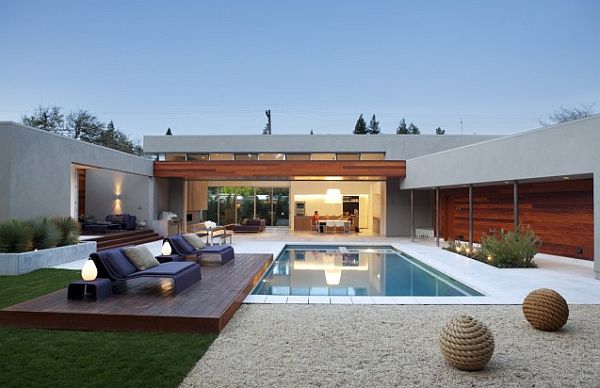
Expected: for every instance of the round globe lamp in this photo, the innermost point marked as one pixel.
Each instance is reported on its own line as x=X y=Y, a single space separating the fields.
x=89 y=271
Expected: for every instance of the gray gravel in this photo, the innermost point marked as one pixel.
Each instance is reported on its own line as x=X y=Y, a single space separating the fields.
x=386 y=345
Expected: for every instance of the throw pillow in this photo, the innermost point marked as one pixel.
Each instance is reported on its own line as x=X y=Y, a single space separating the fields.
x=194 y=240
x=141 y=257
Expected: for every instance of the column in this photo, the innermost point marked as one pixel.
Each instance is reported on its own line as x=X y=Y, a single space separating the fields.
x=516 y=203
x=412 y=215
x=470 y=214
x=437 y=216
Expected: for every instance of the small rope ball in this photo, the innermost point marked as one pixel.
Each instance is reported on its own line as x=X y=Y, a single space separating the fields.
x=466 y=343
x=545 y=309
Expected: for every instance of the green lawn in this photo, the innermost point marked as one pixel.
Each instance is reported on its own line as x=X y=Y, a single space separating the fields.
x=52 y=358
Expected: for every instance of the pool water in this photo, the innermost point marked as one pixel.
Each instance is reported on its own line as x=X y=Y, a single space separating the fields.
x=355 y=271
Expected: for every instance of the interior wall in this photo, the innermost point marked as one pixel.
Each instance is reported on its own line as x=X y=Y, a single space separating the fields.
x=313 y=194
x=102 y=186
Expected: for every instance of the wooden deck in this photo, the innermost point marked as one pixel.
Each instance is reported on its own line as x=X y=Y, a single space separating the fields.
x=149 y=304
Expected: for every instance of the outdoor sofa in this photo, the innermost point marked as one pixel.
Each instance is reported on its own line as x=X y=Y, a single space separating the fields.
x=114 y=265
x=249 y=226
x=127 y=221
x=184 y=249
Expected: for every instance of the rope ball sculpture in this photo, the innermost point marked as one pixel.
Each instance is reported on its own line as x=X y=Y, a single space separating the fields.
x=466 y=343
x=545 y=309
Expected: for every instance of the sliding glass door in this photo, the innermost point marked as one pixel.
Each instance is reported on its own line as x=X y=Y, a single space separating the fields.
x=231 y=204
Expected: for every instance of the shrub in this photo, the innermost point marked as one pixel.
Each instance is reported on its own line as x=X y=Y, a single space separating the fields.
x=513 y=249
x=44 y=233
x=68 y=230
x=15 y=237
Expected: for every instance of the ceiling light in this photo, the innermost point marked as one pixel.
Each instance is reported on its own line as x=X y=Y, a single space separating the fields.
x=333 y=196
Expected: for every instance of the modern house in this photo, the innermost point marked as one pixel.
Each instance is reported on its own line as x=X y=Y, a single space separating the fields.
x=450 y=186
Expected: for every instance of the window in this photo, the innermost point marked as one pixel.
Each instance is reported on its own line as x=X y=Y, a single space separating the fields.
x=348 y=156
x=246 y=156
x=197 y=157
x=372 y=156
x=271 y=156
x=175 y=157
x=298 y=156
x=322 y=156
x=221 y=156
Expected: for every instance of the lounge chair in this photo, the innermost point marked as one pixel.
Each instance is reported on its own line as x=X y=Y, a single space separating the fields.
x=114 y=265
x=184 y=249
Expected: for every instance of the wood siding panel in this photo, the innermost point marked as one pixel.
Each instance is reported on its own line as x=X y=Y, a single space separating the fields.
x=288 y=169
x=560 y=212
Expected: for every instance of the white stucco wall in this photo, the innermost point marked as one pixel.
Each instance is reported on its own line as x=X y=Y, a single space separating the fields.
x=563 y=150
x=35 y=169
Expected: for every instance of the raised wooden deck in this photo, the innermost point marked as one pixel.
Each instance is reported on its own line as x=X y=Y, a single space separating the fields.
x=149 y=304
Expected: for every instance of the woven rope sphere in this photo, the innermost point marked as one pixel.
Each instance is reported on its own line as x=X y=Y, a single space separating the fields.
x=545 y=309
x=466 y=343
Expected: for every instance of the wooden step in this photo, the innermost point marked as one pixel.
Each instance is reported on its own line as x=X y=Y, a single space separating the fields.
x=112 y=236
x=127 y=237
x=104 y=247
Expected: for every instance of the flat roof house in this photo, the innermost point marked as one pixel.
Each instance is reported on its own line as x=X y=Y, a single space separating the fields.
x=393 y=185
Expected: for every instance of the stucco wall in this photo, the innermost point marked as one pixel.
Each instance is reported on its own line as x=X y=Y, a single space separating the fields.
x=39 y=179
x=562 y=150
x=101 y=187
x=396 y=146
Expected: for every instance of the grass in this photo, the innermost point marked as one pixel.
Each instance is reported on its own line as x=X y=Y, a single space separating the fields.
x=52 y=358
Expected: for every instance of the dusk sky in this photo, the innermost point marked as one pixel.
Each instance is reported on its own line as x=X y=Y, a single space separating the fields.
x=213 y=68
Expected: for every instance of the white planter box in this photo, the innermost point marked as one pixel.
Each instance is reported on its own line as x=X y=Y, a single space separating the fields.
x=20 y=263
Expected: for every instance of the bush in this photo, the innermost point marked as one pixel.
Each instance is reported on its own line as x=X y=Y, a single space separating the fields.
x=513 y=249
x=15 y=237
x=44 y=233
x=68 y=230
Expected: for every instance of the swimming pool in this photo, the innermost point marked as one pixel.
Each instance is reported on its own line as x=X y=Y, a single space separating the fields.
x=348 y=270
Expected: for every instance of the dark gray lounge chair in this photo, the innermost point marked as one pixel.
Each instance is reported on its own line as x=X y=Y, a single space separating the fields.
x=114 y=265
x=182 y=248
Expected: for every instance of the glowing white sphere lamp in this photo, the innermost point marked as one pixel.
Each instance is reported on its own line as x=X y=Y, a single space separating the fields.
x=333 y=196
x=89 y=271
x=166 y=249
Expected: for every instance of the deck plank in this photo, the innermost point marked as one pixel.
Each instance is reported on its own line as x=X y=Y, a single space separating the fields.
x=149 y=304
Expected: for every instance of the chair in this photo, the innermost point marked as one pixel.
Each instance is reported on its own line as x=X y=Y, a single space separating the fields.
x=114 y=265
x=182 y=248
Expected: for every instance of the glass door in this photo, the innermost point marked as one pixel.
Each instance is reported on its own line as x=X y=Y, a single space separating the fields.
x=264 y=204
x=281 y=206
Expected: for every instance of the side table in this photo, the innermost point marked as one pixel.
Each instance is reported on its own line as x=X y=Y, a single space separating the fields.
x=167 y=258
x=96 y=289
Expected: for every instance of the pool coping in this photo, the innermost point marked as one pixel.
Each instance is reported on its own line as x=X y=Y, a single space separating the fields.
x=498 y=286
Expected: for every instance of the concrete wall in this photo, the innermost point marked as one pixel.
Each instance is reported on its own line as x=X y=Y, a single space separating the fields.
x=101 y=187
x=398 y=210
x=569 y=149
x=397 y=147
x=35 y=169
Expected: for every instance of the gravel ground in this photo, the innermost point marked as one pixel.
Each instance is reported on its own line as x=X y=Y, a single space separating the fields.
x=379 y=346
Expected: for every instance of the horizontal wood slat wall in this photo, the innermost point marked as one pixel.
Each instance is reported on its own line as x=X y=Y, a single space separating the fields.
x=560 y=213
x=270 y=169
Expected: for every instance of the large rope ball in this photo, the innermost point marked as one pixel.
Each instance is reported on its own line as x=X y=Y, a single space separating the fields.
x=545 y=309
x=466 y=343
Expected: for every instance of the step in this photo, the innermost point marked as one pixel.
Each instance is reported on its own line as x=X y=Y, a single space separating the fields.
x=128 y=240
x=110 y=236
x=127 y=237
x=137 y=242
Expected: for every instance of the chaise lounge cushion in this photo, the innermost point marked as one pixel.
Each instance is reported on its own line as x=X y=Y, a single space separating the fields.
x=195 y=241
x=141 y=257
x=181 y=246
x=167 y=269
x=120 y=263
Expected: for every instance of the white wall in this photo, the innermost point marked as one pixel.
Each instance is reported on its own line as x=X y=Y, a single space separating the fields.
x=101 y=186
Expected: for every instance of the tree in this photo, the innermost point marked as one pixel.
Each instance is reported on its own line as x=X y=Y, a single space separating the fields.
x=563 y=115
x=169 y=133
x=83 y=125
x=361 y=126
x=413 y=129
x=46 y=118
x=374 y=126
x=440 y=131
x=402 y=129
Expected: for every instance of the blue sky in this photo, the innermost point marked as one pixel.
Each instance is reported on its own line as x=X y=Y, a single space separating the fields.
x=203 y=68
